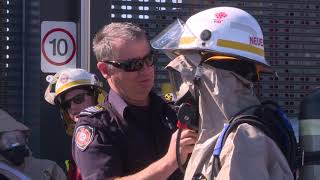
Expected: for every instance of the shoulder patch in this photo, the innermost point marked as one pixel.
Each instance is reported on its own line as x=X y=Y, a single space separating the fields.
x=84 y=136
x=91 y=110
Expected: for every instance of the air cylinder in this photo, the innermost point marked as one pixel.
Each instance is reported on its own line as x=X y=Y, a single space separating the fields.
x=309 y=136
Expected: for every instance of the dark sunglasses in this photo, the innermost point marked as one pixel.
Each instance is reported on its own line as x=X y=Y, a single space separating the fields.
x=135 y=64
x=77 y=99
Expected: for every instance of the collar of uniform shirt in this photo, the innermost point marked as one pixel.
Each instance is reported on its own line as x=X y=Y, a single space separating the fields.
x=117 y=102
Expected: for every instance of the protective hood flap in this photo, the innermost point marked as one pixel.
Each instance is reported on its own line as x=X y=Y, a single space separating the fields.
x=8 y=123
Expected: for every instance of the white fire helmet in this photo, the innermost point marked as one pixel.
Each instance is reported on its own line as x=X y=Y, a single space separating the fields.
x=67 y=79
x=225 y=31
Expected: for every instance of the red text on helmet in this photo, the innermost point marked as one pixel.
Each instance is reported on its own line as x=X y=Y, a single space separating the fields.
x=256 y=41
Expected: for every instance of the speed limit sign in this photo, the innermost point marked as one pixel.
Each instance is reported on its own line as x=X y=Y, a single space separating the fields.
x=58 y=46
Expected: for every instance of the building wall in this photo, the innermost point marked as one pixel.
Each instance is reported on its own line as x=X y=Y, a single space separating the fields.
x=291 y=35
x=22 y=84
x=11 y=57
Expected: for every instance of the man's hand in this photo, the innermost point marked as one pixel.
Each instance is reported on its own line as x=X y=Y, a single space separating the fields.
x=187 y=142
x=165 y=166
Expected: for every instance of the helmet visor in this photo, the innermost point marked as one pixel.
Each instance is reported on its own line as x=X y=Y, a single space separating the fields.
x=170 y=39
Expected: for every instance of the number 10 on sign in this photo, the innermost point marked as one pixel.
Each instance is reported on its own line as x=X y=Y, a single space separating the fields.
x=58 y=46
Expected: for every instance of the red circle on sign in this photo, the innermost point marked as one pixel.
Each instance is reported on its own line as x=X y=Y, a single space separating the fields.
x=45 y=54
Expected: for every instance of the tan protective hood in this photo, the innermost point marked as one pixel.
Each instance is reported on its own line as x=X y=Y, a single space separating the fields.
x=222 y=93
x=248 y=153
x=8 y=123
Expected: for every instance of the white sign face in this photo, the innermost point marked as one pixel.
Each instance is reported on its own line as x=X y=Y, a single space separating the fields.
x=58 y=46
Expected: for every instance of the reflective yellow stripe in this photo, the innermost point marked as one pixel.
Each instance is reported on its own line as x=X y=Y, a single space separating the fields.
x=240 y=46
x=221 y=58
x=71 y=84
x=187 y=40
x=67 y=163
x=309 y=127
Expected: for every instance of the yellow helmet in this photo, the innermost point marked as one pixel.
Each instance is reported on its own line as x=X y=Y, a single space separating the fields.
x=66 y=80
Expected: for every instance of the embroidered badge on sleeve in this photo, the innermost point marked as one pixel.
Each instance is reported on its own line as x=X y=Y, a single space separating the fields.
x=84 y=136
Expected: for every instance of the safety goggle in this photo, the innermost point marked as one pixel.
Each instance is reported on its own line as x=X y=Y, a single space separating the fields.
x=77 y=99
x=135 y=64
x=12 y=139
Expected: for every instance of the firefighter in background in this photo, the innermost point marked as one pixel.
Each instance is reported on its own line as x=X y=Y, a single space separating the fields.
x=216 y=56
x=16 y=160
x=72 y=91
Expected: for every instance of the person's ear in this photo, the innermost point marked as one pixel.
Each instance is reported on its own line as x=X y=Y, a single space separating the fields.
x=103 y=68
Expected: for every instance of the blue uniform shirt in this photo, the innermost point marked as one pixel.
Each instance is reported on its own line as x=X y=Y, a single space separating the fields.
x=123 y=139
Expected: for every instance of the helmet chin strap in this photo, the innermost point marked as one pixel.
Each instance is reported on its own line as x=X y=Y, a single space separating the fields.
x=196 y=82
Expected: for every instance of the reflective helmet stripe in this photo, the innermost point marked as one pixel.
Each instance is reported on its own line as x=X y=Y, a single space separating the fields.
x=187 y=40
x=240 y=46
x=71 y=84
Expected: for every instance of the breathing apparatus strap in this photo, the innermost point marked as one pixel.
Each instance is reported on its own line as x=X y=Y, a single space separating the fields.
x=269 y=118
x=180 y=165
x=196 y=82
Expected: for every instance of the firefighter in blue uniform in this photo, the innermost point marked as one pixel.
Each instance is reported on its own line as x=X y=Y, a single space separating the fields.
x=132 y=134
x=72 y=90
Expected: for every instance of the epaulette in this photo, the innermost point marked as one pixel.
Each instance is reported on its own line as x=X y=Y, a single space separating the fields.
x=92 y=110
